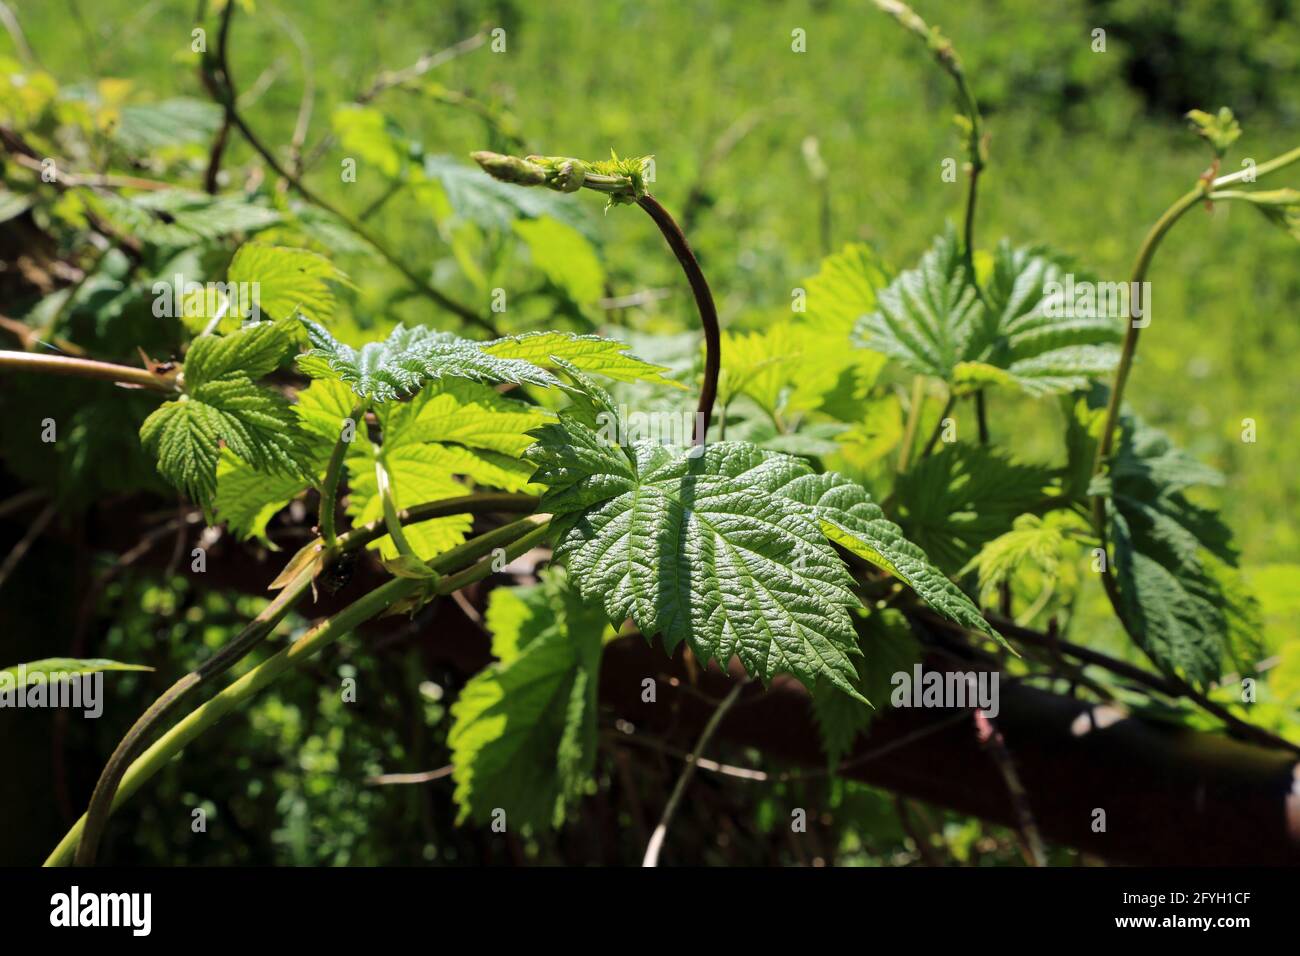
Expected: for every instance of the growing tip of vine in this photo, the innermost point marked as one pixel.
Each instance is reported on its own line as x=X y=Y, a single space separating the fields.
x=510 y=169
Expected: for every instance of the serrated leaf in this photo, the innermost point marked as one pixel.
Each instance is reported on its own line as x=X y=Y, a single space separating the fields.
x=1168 y=556
x=590 y=353
x=931 y=320
x=288 y=281
x=849 y=518
x=692 y=549
x=844 y=289
x=33 y=672
x=928 y=317
x=143 y=128
x=222 y=404
x=399 y=365
x=523 y=738
x=1029 y=332
x=247 y=499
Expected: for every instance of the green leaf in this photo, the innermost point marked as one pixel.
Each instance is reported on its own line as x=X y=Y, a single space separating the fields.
x=849 y=518
x=452 y=436
x=565 y=257
x=590 y=353
x=931 y=320
x=1220 y=130
x=174 y=217
x=1170 y=556
x=1028 y=338
x=963 y=496
x=695 y=549
x=52 y=668
x=523 y=738
x=366 y=134
x=1279 y=206
x=288 y=281
x=1038 y=541
x=157 y=126
x=844 y=289
x=398 y=366
x=223 y=404
x=247 y=499
x=928 y=317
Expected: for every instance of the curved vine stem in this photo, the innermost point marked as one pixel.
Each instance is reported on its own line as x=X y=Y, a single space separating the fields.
x=227 y=96
x=260 y=627
x=1146 y=252
x=703 y=303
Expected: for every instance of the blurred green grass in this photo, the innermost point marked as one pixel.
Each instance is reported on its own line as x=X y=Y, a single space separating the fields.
x=1077 y=161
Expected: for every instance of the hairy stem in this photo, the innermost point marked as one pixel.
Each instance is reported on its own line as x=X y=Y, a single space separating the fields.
x=703 y=303
x=87 y=368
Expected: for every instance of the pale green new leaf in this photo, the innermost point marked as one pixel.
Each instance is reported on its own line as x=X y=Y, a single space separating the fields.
x=523 y=737
x=844 y=289
x=590 y=353
x=288 y=281
x=564 y=256
x=399 y=365
x=222 y=404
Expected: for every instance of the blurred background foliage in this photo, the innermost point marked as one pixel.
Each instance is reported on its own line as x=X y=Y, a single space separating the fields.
x=1087 y=148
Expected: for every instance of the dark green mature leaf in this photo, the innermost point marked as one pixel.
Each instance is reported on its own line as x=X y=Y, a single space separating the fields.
x=398 y=366
x=1170 y=556
x=523 y=738
x=693 y=550
x=728 y=550
x=963 y=496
